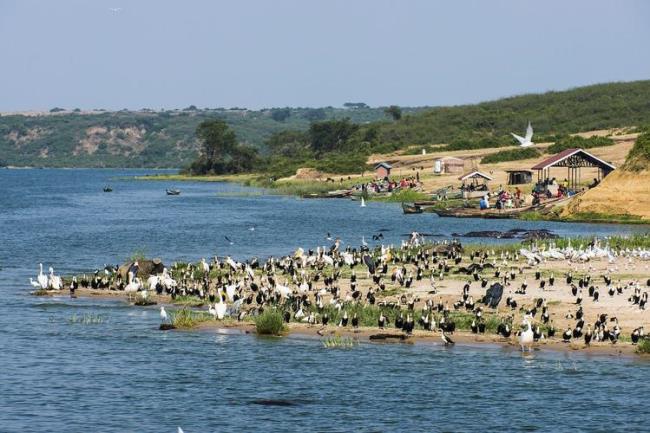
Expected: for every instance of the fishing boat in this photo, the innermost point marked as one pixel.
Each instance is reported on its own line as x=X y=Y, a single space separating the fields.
x=411 y=208
x=108 y=189
x=341 y=193
x=173 y=191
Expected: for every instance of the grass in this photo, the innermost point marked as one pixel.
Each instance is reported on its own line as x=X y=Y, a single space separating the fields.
x=339 y=342
x=40 y=292
x=186 y=318
x=270 y=322
x=406 y=195
x=188 y=301
x=643 y=346
x=87 y=319
x=511 y=155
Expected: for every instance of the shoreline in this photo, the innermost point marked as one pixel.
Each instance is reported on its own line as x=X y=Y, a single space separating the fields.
x=362 y=334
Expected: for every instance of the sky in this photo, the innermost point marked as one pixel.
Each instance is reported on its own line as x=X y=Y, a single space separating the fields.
x=134 y=54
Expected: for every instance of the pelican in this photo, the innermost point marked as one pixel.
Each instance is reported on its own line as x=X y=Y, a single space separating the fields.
x=54 y=280
x=526 y=337
x=42 y=278
x=220 y=309
x=363 y=202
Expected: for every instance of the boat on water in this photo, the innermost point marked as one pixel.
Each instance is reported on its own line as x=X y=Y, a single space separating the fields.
x=340 y=193
x=493 y=213
x=173 y=191
x=411 y=208
x=108 y=189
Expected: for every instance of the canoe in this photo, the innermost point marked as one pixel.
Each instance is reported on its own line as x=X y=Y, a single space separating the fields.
x=493 y=213
x=411 y=209
x=173 y=191
x=330 y=194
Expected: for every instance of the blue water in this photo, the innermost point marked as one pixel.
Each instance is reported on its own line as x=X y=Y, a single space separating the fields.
x=124 y=375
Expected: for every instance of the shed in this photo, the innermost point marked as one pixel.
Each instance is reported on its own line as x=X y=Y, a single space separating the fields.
x=573 y=160
x=474 y=183
x=449 y=164
x=383 y=169
x=519 y=177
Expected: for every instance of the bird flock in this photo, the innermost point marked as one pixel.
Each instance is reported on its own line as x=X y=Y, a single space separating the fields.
x=400 y=287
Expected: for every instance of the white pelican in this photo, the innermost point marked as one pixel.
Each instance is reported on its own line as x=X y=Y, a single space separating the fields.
x=220 y=309
x=526 y=336
x=54 y=280
x=42 y=278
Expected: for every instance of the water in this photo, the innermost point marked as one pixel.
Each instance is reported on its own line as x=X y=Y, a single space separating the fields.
x=123 y=375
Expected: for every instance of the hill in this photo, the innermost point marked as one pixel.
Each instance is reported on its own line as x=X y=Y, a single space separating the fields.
x=625 y=192
x=145 y=138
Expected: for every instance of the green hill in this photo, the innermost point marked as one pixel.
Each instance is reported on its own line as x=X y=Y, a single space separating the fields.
x=167 y=139
x=146 y=138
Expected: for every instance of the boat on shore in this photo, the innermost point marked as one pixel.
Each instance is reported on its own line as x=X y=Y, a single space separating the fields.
x=341 y=193
x=411 y=208
x=108 y=189
x=173 y=191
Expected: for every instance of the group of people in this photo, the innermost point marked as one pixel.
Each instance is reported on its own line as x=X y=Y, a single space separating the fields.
x=504 y=199
x=388 y=185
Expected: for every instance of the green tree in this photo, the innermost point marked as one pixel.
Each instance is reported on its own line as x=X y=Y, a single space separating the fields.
x=394 y=111
x=331 y=135
x=218 y=142
x=280 y=114
x=315 y=114
x=288 y=143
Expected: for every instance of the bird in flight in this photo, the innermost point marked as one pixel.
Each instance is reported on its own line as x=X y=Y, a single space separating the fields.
x=115 y=10
x=527 y=140
x=229 y=241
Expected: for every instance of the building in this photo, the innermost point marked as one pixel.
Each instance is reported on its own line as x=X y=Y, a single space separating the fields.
x=519 y=177
x=382 y=170
x=574 y=161
x=449 y=165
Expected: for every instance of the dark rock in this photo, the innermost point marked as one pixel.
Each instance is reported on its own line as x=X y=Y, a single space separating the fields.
x=166 y=327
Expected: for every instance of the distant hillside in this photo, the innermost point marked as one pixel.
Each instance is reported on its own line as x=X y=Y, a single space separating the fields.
x=145 y=138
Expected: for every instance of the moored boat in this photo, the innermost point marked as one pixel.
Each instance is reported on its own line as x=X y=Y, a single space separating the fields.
x=411 y=208
x=173 y=191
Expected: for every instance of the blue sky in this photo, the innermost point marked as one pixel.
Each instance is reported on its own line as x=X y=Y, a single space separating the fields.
x=263 y=53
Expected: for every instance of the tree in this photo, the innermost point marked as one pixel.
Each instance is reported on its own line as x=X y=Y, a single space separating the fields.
x=288 y=143
x=331 y=135
x=355 y=105
x=394 y=111
x=315 y=114
x=280 y=114
x=217 y=144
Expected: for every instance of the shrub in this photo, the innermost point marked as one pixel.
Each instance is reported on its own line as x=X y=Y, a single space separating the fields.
x=576 y=141
x=186 y=318
x=270 y=322
x=639 y=157
x=644 y=346
x=511 y=155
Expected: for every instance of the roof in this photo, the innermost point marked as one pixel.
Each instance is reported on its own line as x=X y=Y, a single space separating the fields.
x=560 y=157
x=474 y=173
x=518 y=171
x=386 y=165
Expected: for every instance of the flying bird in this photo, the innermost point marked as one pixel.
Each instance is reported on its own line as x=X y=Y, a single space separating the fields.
x=115 y=10
x=525 y=141
x=229 y=241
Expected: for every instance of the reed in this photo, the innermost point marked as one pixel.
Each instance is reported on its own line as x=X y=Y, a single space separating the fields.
x=270 y=322
x=643 y=346
x=186 y=318
x=87 y=319
x=338 y=342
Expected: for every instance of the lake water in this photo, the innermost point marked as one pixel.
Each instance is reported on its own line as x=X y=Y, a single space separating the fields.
x=124 y=375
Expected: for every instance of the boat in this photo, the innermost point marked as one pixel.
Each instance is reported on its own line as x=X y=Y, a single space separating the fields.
x=108 y=189
x=493 y=213
x=173 y=191
x=341 y=193
x=411 y=208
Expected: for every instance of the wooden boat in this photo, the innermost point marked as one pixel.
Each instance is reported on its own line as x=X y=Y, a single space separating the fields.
x=173 y=191
x=341 y=193
x=411 y=208
x=493 y=213
x=108 y=189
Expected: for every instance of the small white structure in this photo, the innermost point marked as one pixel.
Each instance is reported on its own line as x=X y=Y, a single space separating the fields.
x=449 y=165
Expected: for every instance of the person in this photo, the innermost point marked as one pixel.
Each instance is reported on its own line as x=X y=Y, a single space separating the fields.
x=594 y=184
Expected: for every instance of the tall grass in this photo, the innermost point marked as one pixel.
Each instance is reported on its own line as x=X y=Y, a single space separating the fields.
x=186 y=318
x=87 y=319
x=643 y=346
x=270 y=322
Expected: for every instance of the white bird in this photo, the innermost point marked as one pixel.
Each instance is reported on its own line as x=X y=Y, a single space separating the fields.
x=526 y=336
x=115 y=10
x=180 y=430
x=35 y=284
x=42 y=278
x=363 y=202
x=220 y=309
x=525 y=141
x=163 y=315
x=54 y=281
